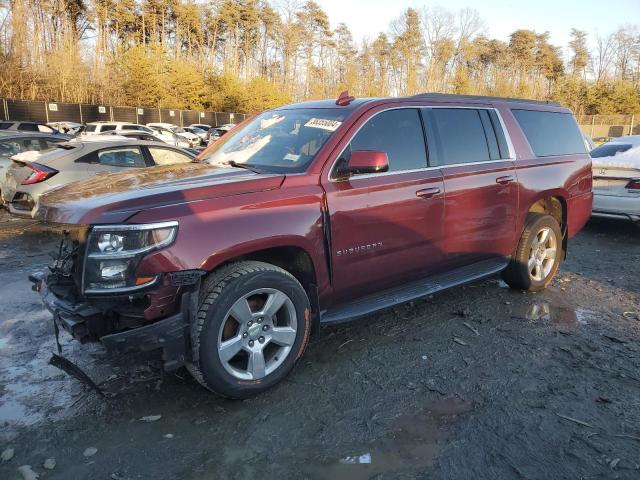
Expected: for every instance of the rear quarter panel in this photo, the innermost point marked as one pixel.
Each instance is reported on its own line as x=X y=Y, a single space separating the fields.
x=567 y=177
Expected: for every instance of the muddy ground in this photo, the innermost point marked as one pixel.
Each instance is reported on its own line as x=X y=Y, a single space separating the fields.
x=478 y=382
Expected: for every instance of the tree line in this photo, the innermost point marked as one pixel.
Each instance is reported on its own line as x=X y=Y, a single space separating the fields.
x=248 y=55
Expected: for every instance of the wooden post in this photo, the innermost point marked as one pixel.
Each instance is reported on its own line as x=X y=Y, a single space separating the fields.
x=80 y=108
x=633 y=119
x=593 y=122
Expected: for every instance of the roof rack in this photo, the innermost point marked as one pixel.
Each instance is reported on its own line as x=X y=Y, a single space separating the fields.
x=453 y=96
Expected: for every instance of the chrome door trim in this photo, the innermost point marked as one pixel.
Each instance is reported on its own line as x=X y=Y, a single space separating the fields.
x=512 y=156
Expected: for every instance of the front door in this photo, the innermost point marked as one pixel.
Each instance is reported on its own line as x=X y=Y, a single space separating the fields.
x=386 y=228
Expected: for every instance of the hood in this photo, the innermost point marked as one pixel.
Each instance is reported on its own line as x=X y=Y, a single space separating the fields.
x=114 y=197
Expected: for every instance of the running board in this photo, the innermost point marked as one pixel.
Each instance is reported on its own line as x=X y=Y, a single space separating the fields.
x=412 y=291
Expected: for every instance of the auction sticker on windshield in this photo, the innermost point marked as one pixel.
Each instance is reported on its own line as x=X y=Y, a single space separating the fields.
x=323 y=123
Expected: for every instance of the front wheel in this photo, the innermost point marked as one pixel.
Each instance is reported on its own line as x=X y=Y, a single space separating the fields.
x=252 y=326
x=537 y=258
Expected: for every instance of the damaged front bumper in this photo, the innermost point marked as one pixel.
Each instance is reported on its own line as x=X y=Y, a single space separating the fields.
x=172 y=334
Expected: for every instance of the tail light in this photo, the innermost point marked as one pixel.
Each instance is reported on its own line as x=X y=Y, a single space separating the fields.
x=39 y=174
x=633 y=184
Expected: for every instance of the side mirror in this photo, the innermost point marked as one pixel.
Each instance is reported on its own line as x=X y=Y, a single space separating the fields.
x=365 y=161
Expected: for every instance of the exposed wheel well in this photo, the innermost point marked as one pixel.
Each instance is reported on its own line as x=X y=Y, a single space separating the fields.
x=557 y=208
x=554 y=206
x=294 y=260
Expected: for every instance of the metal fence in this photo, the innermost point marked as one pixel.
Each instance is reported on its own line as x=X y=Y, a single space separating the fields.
x=48 y=112
x=609 y=125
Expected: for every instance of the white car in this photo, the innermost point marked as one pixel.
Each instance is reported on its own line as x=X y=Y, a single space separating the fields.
x=100 y=127
x=199 y=132
x=616 y=178
x=193 y=139
x=201 y=126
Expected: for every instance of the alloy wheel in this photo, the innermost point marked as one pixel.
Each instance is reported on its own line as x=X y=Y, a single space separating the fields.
x=257 y=334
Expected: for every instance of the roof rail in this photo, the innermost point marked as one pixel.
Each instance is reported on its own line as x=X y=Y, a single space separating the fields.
x=452 y=96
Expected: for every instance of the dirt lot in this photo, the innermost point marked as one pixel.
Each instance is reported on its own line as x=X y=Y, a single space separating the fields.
x=478 y=382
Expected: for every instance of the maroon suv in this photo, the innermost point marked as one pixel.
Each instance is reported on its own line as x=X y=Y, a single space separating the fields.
x=314 y=213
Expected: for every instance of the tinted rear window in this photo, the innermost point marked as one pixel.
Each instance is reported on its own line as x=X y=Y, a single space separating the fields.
x=28 y=127
x=609 y=149
x=459 y=135
x=550 y=133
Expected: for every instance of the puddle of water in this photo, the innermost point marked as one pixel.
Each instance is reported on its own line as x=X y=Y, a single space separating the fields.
x=559 y=315
x=415 y=443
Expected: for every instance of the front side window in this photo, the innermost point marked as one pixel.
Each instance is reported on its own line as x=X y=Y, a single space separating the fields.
x=165 y=156
x=398 y=133
x=90 y=128
x=45 y=129
x=460 y=136
x=278 y=141
x=5 y=125
x=107 y=128
x=122 y=157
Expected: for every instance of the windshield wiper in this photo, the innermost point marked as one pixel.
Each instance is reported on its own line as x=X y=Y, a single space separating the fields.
x=246 y=166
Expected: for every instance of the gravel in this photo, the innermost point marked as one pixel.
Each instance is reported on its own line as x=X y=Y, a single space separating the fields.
x=477 y=382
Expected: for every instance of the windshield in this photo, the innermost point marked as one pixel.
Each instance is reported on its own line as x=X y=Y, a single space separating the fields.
x=278 y=141
x=609 y=150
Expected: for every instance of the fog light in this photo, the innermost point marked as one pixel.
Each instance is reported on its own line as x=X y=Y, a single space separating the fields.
x=110 y=242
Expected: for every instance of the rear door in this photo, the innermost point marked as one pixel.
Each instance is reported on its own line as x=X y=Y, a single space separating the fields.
x=386 y=228
x=479 y=180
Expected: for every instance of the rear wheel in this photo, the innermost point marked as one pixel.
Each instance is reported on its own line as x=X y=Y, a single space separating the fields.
x=538 y=255
x=253 y=325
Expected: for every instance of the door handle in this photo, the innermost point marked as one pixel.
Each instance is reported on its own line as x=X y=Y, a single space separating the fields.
x=504 y=180
x=428 y=192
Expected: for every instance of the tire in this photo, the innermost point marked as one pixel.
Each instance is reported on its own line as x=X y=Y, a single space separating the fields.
x=522 y=273
x=278 y=334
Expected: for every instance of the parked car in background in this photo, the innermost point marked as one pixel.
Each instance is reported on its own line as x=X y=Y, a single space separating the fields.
x=27 y=127
x=13 y=142
x=191 y=138
x=314 y=213
x=132 y=134
x=169 y=137
x=94 y=128
x=201 y=126
x=215 y=133
x=32 y=173
x=199 y=132
x=68 y=128
x=616 y=178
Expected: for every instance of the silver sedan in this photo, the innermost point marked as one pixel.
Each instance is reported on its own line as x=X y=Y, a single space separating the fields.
x=616 y=178
x=33 y=173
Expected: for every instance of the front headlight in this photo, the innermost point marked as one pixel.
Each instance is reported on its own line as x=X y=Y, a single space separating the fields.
x=114 y=252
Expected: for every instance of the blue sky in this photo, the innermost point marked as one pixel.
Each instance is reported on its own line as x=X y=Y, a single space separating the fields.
x=366 y=18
